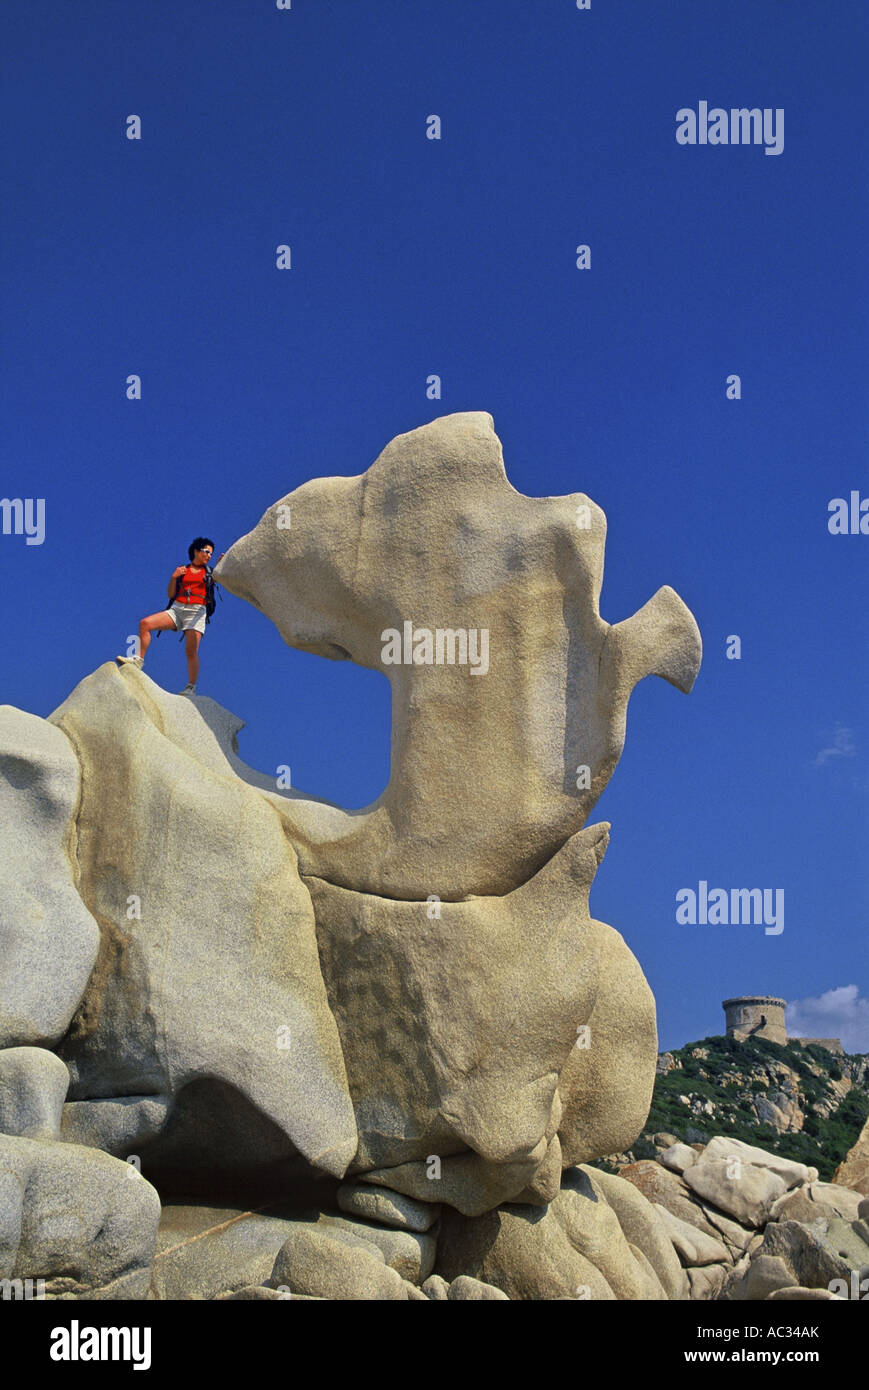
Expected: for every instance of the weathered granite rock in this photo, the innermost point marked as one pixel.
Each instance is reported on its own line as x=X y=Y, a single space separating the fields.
x=119 y=1126
x=733 y=1283
x=33 y=1086
x=80 y=1220
x=854 y=1171
x=312 y=1262
x=814 y=1201
x=692 y=1246
x=723 y=1147
x=737 y=1238
x=205 y=1252
x=847 y=1240
x=410 y=1253
x=349 y=1235
x=707 y=1281
x=451 y=1042
x=574 y=1248
x=678 y=1157
x=48 y=939
x=606 y=1083
x=465 y=1288
x=844 y=1200
x=389 y=1208
x=466 y=1181
x=861 y=1228
x=340 y=562
x=746 y=1192
x=644 y=1231
x=806 y=1251
x=436 y=1289
x=232 y=992
x=765 y=1274
x=547 y=1179
x=660 y=1185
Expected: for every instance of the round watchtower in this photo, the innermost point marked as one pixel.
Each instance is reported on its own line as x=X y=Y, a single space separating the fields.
x=756 y=1016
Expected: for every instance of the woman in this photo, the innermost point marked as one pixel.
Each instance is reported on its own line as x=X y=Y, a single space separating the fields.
x=186 y=611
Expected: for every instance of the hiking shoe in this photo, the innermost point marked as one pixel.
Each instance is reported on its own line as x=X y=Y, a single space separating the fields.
x=188 y=690
x=131 y=661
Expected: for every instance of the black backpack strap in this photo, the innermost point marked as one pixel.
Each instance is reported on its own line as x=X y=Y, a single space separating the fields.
x=212 y=593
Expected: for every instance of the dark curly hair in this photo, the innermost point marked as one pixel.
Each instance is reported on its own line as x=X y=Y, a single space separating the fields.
x=199 y=544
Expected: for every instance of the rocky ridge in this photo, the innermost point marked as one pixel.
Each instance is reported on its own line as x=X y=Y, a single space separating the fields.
x=803 y=1101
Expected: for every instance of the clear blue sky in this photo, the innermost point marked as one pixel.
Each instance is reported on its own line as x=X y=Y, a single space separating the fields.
x=412 y=256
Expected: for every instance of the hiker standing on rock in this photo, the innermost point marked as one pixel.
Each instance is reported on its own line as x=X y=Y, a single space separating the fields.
x=191 y=604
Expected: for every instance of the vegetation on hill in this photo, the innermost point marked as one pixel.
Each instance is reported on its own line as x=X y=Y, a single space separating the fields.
x=804 y=1103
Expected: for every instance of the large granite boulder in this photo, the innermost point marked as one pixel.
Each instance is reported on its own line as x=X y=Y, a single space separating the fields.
x=81 y=1221
x=451 y=1042
x=48 y=938
x=580 y=1246
x=484 y=786
x=208 y=966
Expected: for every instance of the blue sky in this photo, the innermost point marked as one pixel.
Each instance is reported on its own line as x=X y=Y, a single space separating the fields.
x=457 y=256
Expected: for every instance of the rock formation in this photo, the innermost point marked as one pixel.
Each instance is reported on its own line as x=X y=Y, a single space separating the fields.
x=854 y=1171
x=749 y=1225
x=412 y=998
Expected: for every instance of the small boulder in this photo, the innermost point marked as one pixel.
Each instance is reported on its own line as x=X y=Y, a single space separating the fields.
x=388 y=1208
x=33 y=1087
x=410 y=1253
x=436 y=1289
x=312 y=1262
x=475 y=1290
x=678 y=1157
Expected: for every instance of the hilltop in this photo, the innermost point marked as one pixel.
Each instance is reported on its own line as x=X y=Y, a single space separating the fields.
x=800 y=1101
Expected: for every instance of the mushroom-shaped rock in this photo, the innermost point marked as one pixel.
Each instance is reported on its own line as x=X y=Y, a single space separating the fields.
x=481 y=606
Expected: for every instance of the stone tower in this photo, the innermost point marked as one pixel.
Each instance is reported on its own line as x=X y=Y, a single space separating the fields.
x=756 y=1016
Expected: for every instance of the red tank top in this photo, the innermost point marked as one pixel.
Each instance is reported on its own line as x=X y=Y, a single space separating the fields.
x=192 y=587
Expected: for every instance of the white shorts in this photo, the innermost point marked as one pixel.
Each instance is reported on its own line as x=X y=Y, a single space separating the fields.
x=188 y=617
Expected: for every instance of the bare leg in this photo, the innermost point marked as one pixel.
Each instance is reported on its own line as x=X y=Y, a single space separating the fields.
x=151 y=624
x=191 y=646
